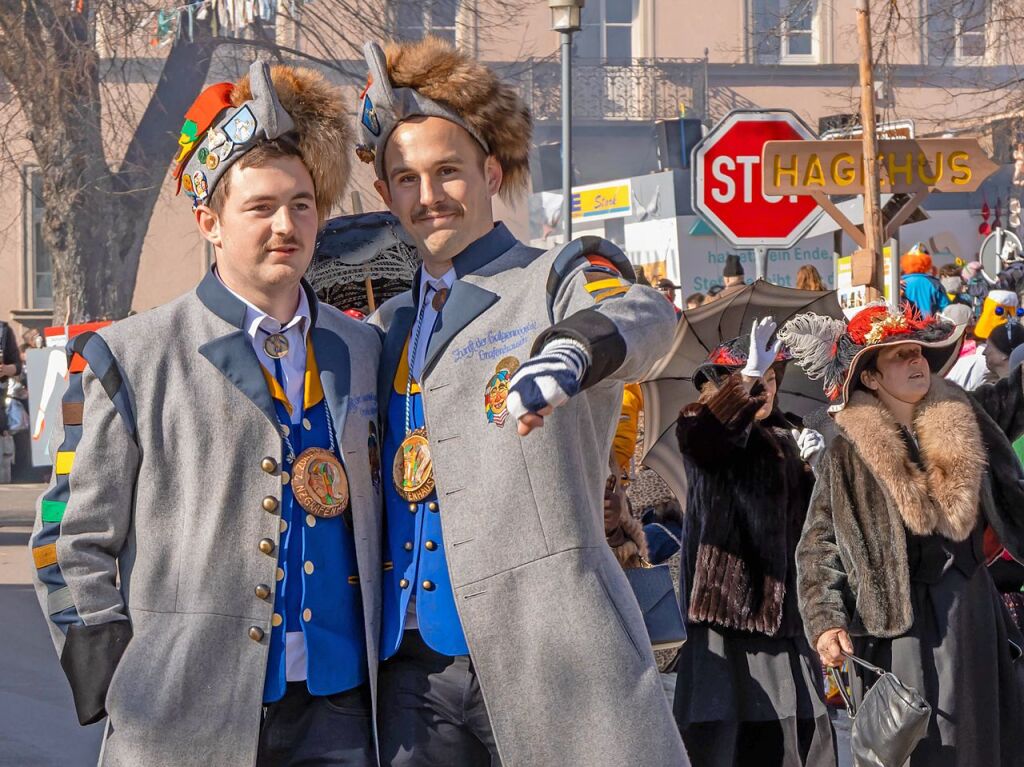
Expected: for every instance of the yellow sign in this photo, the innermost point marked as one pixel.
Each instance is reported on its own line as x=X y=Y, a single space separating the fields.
x=591 y=203
x=905 y=165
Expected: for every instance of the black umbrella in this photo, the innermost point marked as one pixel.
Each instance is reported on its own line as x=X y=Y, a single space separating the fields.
x=669 y=385
x=360 y=255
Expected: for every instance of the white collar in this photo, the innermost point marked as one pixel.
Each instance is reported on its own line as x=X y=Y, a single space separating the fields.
x=446 y=280
x=255 y=318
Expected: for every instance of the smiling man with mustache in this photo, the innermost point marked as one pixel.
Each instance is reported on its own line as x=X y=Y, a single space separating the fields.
x=212 y=459
x=510 y=633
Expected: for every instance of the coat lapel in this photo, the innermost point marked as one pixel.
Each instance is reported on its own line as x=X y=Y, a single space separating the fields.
x=334 y=361
x=391 y=354
x=233 y=356
x=465 y=303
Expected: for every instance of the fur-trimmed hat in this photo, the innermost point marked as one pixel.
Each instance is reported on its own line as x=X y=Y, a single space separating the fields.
x=835 y=352
x=228 y=120
x=430 y=78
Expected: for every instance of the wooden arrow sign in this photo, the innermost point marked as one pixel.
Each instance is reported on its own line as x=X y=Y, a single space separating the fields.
x=905 y=166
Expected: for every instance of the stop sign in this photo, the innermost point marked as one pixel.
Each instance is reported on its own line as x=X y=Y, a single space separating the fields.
x=726 y=180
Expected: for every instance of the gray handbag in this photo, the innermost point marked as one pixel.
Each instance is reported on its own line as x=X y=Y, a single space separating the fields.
x=890 y=721
x=652 y=586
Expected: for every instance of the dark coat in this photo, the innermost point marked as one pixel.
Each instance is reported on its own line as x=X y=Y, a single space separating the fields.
x=747 y=497
x=852 y=557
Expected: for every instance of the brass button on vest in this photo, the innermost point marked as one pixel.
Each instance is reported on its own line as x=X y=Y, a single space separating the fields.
x=432 y=506
x=270 y=503
x=428 y=585
x=404 y=583
x=430 y=545
x=413 y=508
x=266 y=546
x=408 y=546
x=262 y=590
x=268 y=465
x=255 y=633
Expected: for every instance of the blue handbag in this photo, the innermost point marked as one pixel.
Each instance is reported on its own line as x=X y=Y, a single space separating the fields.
x=654 y=591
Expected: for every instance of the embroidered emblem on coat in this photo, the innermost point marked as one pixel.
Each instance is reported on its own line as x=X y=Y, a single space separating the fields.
x=496 y=393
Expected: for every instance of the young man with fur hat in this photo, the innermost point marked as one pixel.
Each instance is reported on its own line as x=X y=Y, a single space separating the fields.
x=208 y=552
x=891 y=564
x=498 y=583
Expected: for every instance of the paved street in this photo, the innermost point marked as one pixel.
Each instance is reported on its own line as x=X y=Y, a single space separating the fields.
x=37 y=720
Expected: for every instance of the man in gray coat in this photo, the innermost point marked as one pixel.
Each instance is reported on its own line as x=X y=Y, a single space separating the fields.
x=208 y=551
x=510 y=633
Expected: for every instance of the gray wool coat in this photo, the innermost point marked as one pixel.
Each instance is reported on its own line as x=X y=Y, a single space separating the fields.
x=852 y=564
x=556 y=637
x=171 y=491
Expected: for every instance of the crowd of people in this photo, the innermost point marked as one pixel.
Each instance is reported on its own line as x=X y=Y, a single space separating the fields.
x=284 y=536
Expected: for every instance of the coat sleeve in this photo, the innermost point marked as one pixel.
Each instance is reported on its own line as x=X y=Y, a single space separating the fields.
x=713 y=433
x=1004 y=402
x=625 y=327
x=821 y=576
x=81 y=525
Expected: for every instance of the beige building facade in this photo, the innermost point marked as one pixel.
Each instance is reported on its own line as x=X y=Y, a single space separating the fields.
x=637 y=61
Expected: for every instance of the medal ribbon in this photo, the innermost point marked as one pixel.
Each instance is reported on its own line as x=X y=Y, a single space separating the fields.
x=279 y=377
x=414 y=349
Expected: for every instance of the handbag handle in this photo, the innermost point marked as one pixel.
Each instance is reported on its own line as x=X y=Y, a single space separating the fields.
x=837 y=677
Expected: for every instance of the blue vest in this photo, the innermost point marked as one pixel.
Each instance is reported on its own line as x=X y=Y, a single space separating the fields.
x=414 y=558
x=317 y=589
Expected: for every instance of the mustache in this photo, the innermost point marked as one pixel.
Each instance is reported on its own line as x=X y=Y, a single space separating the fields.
x=422 y=212
x=291 y=242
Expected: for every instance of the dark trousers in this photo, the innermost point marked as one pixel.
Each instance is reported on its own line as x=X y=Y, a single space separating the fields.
x=430 y=710
x=305 y=730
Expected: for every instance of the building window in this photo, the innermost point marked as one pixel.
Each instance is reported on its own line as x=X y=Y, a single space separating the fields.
x=607 y=32
x=415 y=19
x=956 y=31
x=785 y=31
x=38 y=263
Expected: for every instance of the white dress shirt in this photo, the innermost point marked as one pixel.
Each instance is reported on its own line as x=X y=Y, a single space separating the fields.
x=258 y=325
x=425 y=321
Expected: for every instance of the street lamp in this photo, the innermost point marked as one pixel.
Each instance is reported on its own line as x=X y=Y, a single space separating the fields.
x=565 y=19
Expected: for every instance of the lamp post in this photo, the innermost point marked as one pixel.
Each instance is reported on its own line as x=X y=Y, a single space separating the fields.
x=565 y=19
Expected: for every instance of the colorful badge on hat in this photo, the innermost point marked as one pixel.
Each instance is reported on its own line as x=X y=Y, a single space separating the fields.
x=496 y=392
x=241 y=127
x=199 y=185
x=369 y=118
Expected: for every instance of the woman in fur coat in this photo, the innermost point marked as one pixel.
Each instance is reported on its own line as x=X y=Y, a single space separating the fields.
x=749 y=688
x=890 y=563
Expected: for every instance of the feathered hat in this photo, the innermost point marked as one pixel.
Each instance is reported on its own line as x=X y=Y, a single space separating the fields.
x=835 y=352
x=430 y=78
x=729 y=357
x=229 y=119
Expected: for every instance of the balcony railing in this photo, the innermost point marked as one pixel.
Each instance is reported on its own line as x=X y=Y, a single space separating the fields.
x=642 y=90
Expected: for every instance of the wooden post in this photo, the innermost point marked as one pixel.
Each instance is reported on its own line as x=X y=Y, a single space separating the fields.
x=872 y=193
x=357 y=208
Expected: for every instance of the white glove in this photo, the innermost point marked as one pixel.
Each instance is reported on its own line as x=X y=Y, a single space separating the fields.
x=811 y=445
x=761 y=356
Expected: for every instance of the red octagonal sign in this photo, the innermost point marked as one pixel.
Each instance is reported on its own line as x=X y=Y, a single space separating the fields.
x=727 y=181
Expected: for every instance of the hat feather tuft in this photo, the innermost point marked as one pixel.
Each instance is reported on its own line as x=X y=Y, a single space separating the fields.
x=323 y=128
x=492 y=108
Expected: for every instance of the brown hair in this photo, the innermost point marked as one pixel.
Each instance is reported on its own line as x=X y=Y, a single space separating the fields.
x=808 y=278
x=257 y=157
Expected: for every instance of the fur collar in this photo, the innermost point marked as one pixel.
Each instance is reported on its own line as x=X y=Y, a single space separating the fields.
x=943 y=499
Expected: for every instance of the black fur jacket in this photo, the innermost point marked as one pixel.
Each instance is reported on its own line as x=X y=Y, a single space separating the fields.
x=852 y=557
x=747 y=497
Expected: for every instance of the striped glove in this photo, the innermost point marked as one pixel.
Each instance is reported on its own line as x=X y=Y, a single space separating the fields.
x=549 y=379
